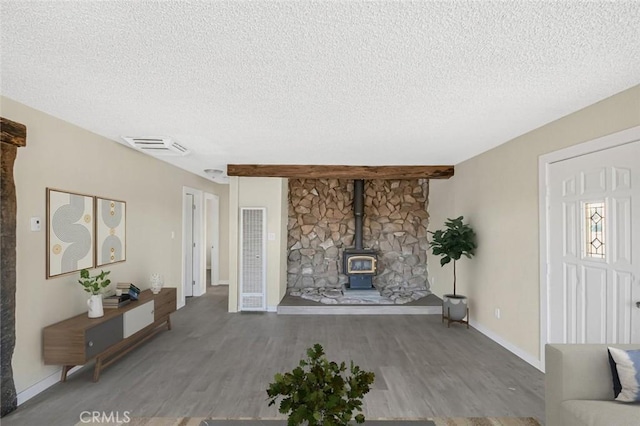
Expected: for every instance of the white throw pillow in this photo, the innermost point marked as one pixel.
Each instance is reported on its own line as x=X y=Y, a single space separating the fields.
x=628 y=367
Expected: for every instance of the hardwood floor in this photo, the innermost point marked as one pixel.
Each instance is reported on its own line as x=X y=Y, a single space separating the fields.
x=218 y=364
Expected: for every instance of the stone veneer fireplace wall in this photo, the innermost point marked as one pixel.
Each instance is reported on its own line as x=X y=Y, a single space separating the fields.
x=321 y=225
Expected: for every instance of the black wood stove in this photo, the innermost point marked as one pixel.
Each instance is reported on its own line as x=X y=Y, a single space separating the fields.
x=358 y=263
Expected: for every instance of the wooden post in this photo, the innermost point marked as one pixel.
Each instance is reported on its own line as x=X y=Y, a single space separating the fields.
x=13 y=136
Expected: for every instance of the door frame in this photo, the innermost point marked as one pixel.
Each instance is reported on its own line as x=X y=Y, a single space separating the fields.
x=544 y=162
x=199 y=265
x=214 y=213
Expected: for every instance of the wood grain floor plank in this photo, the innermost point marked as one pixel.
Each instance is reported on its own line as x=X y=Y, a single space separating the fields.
x=216 y=364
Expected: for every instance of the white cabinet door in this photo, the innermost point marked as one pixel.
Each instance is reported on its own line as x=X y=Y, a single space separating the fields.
x=138 y=318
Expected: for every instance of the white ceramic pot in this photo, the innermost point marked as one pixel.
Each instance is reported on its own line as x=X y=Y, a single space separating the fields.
x=95 y=306
x=454 y=306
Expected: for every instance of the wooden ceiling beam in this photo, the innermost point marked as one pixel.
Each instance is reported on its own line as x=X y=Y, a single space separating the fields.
x=340 y=172
x=13 y=133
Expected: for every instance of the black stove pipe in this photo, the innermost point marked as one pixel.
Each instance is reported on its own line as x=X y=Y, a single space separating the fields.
x=358 y=210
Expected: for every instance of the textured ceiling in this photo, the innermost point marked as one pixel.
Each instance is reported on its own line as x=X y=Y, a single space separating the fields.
x=359 y=82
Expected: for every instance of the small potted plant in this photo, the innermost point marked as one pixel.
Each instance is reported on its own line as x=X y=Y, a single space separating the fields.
x=456 y=240
x=94 y=285
x=317 y=393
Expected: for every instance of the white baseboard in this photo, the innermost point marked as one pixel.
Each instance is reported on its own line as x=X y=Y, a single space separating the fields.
x=272 y=309
x=223 y=282
x=520 y=353
x=43 y=385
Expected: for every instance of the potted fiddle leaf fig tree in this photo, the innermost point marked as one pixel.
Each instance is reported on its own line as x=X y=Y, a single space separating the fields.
x=317 y=393
x=94 y=285
x=456 y=240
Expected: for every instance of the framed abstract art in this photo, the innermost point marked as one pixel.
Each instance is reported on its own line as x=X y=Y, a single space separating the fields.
x=111 y=225
x=70 y=232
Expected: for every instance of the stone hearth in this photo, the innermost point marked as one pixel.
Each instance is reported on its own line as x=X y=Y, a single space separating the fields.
x=321 y=225
x=334 y=296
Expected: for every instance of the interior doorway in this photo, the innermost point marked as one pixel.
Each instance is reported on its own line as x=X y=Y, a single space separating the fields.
x=212 y=235
x=192 y=244
x=189 y=246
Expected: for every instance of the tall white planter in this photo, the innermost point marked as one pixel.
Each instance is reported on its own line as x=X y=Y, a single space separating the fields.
x=95 y=306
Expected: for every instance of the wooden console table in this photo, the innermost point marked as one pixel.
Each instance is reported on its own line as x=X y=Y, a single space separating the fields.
x=80 y=339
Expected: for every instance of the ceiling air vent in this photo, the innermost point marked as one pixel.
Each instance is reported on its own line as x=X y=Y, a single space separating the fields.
x=157 y=146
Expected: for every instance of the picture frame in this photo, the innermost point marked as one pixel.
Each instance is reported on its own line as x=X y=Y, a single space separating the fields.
x=70 y=232
x=111 y=231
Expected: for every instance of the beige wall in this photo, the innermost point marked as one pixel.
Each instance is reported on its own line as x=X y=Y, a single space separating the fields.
x=260 y=192
x=63 y=156
x=284 y=235
x=497 y=192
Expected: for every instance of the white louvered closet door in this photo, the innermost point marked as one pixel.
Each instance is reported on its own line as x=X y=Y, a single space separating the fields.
x=253 y=259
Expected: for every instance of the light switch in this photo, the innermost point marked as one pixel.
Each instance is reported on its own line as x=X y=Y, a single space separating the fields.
x=271 y=236
x=36 y=224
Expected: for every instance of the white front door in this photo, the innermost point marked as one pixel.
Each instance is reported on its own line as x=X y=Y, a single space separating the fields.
x=594 y=247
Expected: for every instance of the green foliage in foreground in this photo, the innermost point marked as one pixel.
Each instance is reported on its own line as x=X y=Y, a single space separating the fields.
x=317 y=391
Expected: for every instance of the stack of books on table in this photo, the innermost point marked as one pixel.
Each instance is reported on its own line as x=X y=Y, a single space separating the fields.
x=123 y=287
x=134 y=292
x=113 y=302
